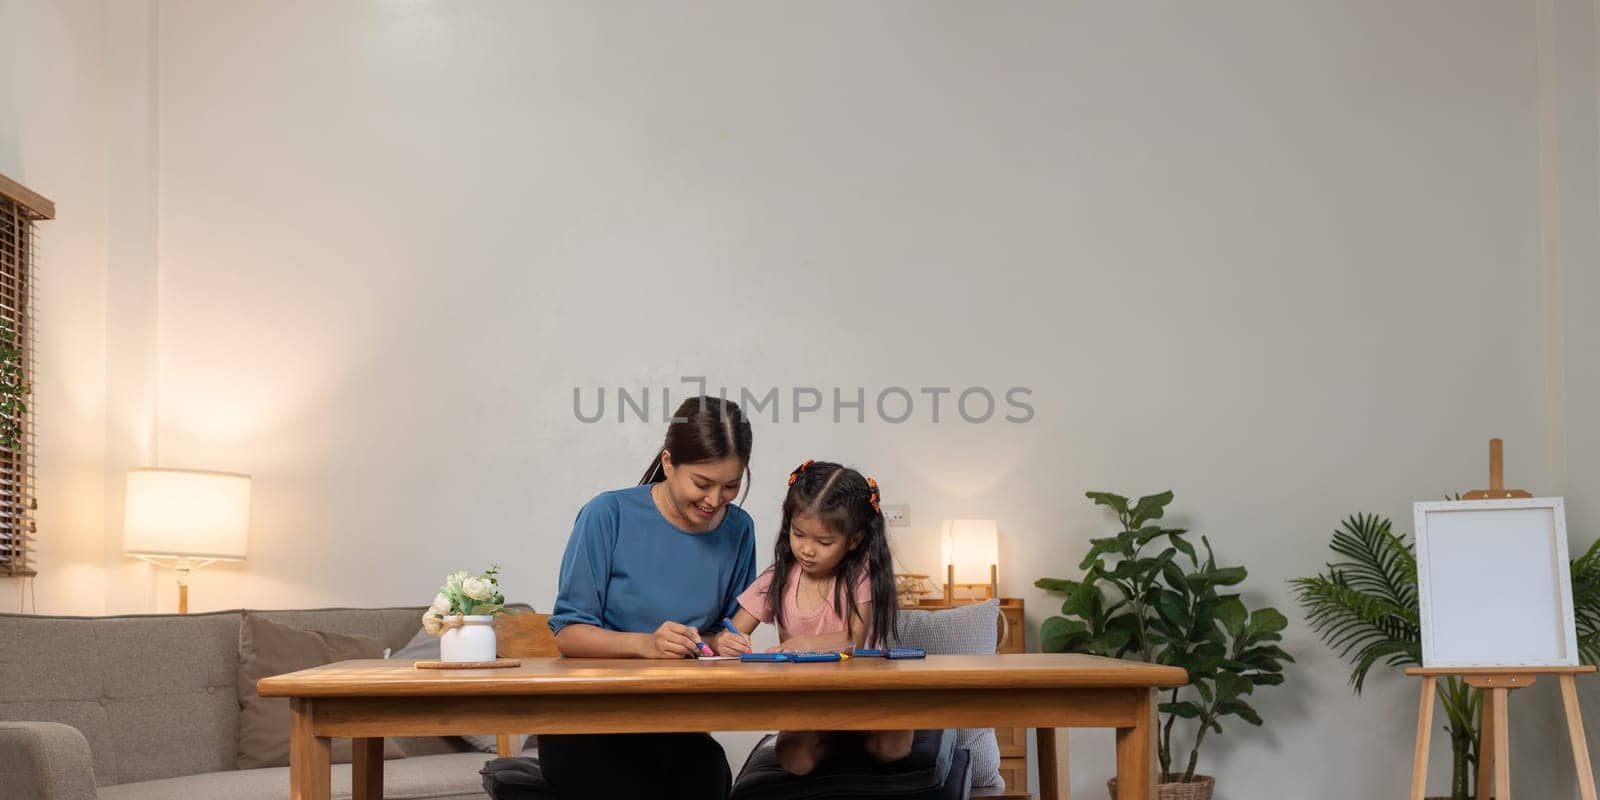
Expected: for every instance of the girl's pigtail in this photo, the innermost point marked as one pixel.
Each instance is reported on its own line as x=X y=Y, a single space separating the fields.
x=880 y=565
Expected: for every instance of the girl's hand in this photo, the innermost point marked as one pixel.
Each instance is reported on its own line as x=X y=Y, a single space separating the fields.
x=672 y=640
x=728 y=643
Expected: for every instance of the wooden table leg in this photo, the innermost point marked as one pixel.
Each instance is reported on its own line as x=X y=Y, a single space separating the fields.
x=1502 y=745
x=1136 y=764
x=1580 y=744
x=1486 y=748
x=502 y=745
x=310 y=769
x=1419 y=759
x=367 y=770
x=1053 y=768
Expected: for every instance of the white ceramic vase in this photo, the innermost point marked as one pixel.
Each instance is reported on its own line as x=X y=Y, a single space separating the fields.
x=472 y=640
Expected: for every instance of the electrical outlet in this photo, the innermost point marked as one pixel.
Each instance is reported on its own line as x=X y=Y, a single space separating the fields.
x=897 y=515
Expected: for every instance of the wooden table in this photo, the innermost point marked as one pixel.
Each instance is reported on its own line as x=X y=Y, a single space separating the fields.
x=369 y=700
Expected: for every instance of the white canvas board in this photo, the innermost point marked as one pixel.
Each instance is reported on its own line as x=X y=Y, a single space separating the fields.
x=1494 y=584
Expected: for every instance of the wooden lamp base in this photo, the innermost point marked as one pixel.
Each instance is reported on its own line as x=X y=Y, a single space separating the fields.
x=991 y=589
x=183 y=565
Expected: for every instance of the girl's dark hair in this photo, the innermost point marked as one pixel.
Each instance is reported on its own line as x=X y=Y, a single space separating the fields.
x=704 y=429
x=844 y=502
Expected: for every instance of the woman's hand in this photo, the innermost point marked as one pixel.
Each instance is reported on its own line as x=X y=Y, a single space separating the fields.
x=730 y=643
x=672 y=640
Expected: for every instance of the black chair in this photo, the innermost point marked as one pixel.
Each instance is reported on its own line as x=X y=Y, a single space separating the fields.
x=935 y=770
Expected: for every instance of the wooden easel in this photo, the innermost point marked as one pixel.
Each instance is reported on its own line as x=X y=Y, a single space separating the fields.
x=1494 y=748
x=1497 y=683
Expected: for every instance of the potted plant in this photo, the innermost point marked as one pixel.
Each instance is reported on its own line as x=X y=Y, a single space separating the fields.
x=1147 y=593
x=463 y=613
x=1365 y=608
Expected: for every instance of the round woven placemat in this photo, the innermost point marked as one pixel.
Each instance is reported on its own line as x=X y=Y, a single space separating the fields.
x=499 y=663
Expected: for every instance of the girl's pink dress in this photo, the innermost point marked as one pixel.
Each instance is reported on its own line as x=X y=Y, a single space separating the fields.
x=822 y=619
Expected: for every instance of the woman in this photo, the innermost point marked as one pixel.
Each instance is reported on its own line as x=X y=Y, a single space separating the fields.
x=650 y=572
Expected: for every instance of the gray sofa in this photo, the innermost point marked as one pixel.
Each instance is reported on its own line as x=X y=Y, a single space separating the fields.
x=146 y=708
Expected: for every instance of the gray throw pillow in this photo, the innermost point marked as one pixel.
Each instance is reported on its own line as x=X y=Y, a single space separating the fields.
x=425 y=647
x=964 y=630
x=268 y=648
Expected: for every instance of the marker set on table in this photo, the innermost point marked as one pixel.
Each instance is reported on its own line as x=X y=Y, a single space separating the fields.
x=806 y=657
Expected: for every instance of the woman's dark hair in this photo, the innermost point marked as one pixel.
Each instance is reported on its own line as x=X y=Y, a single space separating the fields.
x=704 y=429
x=845 y=503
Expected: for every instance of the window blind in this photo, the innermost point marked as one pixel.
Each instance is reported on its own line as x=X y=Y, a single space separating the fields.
x=20 y=209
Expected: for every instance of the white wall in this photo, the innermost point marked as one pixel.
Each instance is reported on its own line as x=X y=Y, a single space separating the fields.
x=1571 y=205
x=53 y=138
x=1285 y=261
x=1290 y=260
x=131 y=274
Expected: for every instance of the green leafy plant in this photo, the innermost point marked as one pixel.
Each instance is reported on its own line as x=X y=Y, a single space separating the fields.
x=1365 y=608
x=1147 y=593
x=13 y=387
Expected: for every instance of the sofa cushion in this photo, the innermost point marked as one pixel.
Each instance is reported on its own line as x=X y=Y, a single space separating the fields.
x=391 y=626
x=153 y=695
x=443 y=777
x=964 y=630
x=268 y=648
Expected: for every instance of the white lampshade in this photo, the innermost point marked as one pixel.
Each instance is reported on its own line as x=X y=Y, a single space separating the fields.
x=186 y=514
x=972 y=545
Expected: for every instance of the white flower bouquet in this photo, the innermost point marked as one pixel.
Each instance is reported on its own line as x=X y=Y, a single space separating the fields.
x=463 y=595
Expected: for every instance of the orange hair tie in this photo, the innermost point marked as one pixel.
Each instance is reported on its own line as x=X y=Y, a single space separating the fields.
x=873 y=496
x=794 y=476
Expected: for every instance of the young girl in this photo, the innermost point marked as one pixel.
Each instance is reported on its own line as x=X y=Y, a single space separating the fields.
x=830 y=587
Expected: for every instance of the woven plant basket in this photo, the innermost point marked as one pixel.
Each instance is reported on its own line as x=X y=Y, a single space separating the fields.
x=1198 y=789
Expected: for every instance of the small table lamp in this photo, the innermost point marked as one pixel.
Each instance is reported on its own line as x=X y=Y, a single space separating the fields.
x=186 y=519
x=971 y=556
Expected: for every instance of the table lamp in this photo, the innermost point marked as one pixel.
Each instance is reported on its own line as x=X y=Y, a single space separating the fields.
x=971 y=556
x=185 y=519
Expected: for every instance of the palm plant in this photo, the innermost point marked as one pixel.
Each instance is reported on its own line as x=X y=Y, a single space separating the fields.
x=1586 y=603
x=1365 y=608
